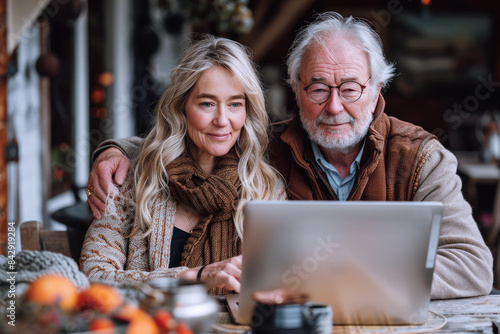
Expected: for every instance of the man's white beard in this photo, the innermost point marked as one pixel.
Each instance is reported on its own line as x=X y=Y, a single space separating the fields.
x=347 y=141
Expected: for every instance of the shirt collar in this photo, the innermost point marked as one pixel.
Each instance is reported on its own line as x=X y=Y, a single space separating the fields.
x=319 y=157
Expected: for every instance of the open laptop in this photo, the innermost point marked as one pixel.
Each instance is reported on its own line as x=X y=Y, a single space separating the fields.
x=372 y=262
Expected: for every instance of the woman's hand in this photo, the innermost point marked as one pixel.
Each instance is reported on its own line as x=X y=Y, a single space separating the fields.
x=224 y=274
x=108 y=163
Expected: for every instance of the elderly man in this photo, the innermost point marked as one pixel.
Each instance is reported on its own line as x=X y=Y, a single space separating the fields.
x=344 y=147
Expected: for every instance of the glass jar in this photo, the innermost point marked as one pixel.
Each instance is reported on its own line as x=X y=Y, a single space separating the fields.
x=187 y=302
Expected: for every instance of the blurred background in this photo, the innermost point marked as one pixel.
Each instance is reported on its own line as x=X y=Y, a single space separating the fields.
x=77 y=72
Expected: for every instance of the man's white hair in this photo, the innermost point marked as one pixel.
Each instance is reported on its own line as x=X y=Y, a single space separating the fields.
x=329 y=25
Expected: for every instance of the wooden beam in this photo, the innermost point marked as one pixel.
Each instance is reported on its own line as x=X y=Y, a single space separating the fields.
x=262 y=38
x=4 y=59
x=260 y=12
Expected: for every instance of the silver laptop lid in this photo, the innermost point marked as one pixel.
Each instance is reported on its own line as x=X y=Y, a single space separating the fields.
x=372 y=262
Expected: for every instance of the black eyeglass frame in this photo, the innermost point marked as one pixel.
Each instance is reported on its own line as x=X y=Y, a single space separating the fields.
x=338 y=90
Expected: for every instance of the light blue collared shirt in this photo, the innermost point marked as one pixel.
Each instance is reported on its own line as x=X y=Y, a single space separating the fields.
x=341 y=187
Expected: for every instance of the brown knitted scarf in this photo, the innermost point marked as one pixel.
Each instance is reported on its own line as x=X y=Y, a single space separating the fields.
x=214 y=237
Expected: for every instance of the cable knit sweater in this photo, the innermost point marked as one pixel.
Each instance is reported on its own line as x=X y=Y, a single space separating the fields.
x=33 y=264
x=115 y=248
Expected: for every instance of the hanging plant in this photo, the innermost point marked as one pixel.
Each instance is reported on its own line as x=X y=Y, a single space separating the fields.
x=224 y=16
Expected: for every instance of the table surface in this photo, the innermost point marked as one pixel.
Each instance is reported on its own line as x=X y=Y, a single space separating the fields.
x=465 y=315
x=470 y=165
x=469 y=314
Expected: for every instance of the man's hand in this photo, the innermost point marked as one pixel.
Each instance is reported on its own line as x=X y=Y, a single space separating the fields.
x=108 y=163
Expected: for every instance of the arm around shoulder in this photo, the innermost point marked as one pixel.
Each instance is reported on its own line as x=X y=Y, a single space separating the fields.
x=128 y=146
x=111 y=242
x=463 y=263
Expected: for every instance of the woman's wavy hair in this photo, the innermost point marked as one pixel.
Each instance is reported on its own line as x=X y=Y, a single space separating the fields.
x=168 y=138
x=330 y=24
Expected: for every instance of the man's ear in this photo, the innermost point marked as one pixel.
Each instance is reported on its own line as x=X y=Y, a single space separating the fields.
x=375 y=100
x=297 y=100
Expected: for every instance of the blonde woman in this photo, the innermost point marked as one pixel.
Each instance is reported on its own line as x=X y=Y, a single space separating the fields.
x=179 y=213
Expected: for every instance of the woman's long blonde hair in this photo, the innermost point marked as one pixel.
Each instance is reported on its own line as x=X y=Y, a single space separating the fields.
x=167 y=140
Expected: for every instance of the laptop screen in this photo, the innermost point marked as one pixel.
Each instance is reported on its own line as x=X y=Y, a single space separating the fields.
x=372 y=262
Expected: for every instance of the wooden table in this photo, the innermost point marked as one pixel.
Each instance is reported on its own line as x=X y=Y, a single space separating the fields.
x=466 y=315
x=475 y=172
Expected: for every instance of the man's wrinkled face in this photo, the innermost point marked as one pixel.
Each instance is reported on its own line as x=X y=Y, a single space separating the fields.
x=336 y=124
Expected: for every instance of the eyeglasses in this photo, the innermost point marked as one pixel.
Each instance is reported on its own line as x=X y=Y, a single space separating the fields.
x=349 y=91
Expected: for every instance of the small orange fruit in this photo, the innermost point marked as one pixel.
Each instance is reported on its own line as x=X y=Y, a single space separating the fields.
x=100 y=297
x=182 y=328
x=164 y=320
x=127 y=312
x=53 y=290
x=142 y=325
x=140 y=322
x=102 y=324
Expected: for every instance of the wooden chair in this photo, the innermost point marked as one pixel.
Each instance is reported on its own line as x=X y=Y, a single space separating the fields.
x=34 y=237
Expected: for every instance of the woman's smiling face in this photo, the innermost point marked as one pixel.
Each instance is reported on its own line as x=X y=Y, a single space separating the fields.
x=215 y=114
